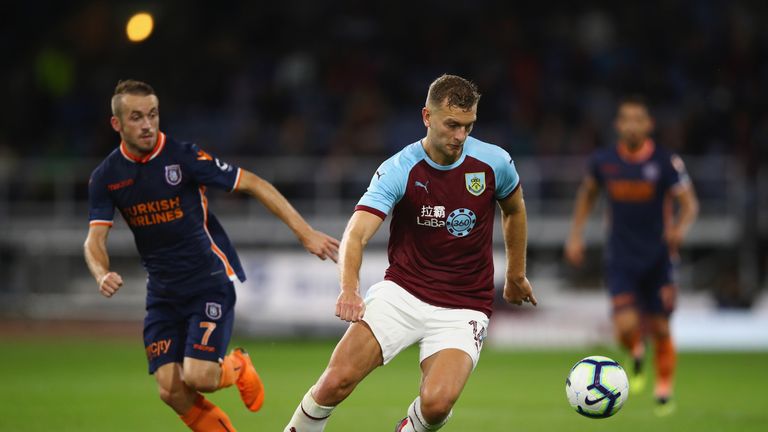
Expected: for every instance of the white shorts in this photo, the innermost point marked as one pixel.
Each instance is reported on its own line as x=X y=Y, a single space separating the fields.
x=398 y=320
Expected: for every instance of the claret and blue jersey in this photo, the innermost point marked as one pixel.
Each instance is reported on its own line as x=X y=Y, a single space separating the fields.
x=440 y=245
x=162 y=198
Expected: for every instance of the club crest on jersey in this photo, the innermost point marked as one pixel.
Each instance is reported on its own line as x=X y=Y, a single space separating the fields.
x=173 y=174
x=475 y=182
x=213 y=310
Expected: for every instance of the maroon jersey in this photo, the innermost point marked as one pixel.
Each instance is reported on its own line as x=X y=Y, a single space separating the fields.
x=440 y=245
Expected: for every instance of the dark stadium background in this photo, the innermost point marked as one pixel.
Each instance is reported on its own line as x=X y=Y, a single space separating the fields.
x=314 y=94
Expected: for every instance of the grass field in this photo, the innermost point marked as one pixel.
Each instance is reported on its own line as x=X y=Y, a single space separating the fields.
x=73 y=385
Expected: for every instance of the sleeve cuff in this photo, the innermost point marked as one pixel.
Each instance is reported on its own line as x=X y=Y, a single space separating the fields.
x=237 y=179
x=517 y=186
x=100 y=222
x=371 y=210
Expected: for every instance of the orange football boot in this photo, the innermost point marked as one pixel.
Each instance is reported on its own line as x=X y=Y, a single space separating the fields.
x=250 y=385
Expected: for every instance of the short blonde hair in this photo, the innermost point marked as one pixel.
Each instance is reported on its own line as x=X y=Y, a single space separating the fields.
x=132 y=87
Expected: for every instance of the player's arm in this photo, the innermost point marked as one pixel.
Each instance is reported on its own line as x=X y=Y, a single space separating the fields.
x=585 y=201
x=316 y=242
x=688 y=212
x=514 y=224
x=361 y=227
x=95 y=250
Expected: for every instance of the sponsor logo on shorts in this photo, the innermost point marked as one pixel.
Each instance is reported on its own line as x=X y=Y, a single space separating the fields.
x=205 y=348
x=158 y=348
x=173 y=174
x=213 y=310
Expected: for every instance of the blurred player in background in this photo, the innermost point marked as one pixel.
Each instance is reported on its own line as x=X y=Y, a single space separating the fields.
x=159 y=185
x=442 y=192
x=641 y=180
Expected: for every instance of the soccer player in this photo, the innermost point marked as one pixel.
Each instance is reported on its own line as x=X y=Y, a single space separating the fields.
x=641 y=181
x=159 y=185
x=438 y=291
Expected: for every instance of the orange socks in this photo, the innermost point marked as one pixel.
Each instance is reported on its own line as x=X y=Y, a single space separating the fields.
x=230 y=370
x=206 y=417
x=666 y=359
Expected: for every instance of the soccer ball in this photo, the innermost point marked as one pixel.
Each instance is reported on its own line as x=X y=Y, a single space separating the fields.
x=597 y=387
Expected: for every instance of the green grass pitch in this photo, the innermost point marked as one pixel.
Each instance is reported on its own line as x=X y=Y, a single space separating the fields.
x=72 y=384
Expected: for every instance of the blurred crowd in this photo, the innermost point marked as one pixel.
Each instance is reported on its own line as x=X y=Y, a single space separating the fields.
x=349 y=78
x=340 y=78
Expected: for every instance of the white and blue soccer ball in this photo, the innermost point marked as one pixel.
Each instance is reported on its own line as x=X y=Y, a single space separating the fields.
x=597 y=387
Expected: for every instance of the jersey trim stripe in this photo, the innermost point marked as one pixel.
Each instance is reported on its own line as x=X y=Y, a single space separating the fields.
x=159 y=145
x=219 y=253
x=371 y=210
x=101 y=222
x=237 y=180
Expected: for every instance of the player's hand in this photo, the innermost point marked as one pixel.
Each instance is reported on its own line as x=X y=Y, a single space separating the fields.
x=574 y=251
x=519 y=290
x=109 y=284
x=350 y=306
x=321 y=245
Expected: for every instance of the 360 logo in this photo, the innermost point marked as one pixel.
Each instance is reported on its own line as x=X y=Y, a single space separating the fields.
x=460 y=222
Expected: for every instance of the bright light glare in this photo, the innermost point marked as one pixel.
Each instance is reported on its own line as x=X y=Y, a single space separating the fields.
x=139 y=27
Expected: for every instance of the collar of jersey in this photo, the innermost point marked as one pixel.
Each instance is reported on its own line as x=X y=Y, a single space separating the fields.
x=436 y=165
x=641 y=155
x=159 y=145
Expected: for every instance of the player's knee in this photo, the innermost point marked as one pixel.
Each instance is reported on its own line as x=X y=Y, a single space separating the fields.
x=436 y=406
x=166 y=395
x=625 y=328
x=335 y=385
x=626 y=324
x=625 y=332
x=173 y=397
x=201 y=381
